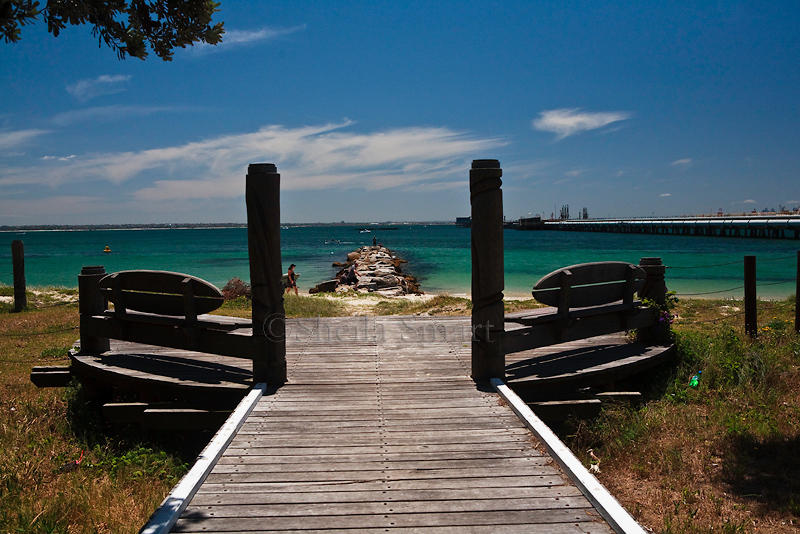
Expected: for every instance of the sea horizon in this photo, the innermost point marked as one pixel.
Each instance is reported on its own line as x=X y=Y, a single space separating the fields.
x=437 y=254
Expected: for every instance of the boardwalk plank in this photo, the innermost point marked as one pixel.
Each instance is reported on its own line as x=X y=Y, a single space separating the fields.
x=505 y=517
x=380 y=429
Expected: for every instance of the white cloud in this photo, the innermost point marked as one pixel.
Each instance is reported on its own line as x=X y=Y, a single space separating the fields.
x=748 y=201
x=574 y=172
x=569 y=121
x=665 y=195
x=105 y=84
x=793 y=202
x=683 y=163
x=309 y=158
x=108 y=113
x=232 y=38
x=59 y=158
x=11 y=139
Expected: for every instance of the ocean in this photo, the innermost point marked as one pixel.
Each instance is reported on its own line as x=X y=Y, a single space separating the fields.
x=439 y=255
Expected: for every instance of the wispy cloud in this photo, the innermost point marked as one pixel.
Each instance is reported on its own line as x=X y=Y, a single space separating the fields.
x=569 y=121
x=682 y=163
x=105 y=84
x=108 y=113
x=309 y=157
x=234 y=38
x=59 y=158
x=665 y=195
x=14 y=138
x=748 y=201
x=793 y=202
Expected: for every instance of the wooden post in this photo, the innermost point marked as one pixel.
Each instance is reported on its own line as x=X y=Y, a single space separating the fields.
x=91 y=302
x=750 y=309
x=262 y=194
x=18 y=262
x=797 y=296
x=655 y=289
x=486 y=198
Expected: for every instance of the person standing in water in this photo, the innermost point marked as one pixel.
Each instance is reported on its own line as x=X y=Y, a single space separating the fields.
x=291 y=279
x=374 y=241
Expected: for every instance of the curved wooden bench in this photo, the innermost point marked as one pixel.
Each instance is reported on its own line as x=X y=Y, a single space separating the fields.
x=166 y=309
x=591 y=299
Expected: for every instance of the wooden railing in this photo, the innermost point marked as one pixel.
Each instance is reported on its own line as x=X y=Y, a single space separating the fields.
x=589 y=299
x=162 y=308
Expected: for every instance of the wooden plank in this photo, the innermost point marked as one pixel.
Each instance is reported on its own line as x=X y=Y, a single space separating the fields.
x=494 y=482
x=124 y=412
x=399 y=474
x=223 y=343
x=264 y=464
x=586 y=327
x=591 y=284
x=183 y=418
x=167 y=514
x=311 y=509
x=278 y=450
x=553 y=528
x=619 y=519
x=205 y=499
x=160 y=292
x=51 y=377
x=517 y=517
x=235 y=455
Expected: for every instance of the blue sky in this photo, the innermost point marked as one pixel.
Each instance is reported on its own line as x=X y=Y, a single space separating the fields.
x=374 y=110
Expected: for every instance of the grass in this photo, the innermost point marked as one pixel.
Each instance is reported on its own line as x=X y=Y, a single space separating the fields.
x=724 y=456
x=438 y=305
x=295 y=306
x=120 y=480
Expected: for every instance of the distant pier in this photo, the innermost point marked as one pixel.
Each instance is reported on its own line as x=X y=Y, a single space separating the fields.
x=764 y=227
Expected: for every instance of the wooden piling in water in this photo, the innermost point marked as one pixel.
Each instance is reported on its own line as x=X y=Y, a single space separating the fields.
x=750 y=308
x=262 y=194
x=486 y=198
x=18 y=262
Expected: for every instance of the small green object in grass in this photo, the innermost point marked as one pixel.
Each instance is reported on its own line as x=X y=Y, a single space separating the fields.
x=695 y=380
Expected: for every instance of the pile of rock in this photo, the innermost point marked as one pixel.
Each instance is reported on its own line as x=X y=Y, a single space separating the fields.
x=371 y=269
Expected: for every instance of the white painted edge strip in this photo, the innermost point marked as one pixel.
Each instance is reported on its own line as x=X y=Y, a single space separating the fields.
x=171 y=508
x=611 y=510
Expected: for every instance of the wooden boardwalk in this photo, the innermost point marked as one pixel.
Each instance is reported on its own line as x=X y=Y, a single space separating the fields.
x=381 y=429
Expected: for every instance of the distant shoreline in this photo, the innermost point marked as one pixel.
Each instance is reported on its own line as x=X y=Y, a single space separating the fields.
x=192 y=226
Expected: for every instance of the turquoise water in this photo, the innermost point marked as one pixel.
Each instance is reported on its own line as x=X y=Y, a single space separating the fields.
x=439 y=255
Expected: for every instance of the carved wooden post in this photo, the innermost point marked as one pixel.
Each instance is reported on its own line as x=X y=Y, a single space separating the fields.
x=488 y=357
x=18 y=262
x=750 y=307
x=262 y=194
x=91 y=302
x=655 y=289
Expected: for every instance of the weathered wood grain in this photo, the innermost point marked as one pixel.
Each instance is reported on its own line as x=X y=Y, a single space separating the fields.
x=160 y=292
x=370 y=445
x=590 y=284
x=18 y=269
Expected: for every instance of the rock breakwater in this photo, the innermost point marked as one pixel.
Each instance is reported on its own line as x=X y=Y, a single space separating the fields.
x=374 y=269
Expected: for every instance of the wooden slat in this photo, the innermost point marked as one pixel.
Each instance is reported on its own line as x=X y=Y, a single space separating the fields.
x=159 y=292
x=590 y=283
x=392 y=436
